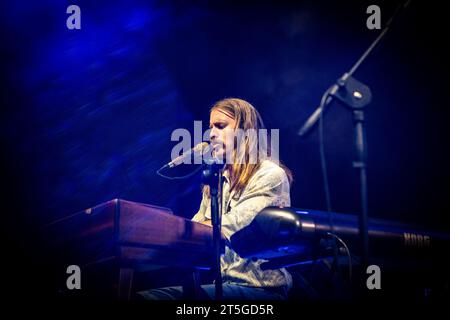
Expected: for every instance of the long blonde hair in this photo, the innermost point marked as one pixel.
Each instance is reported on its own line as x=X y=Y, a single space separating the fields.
x=247 y=118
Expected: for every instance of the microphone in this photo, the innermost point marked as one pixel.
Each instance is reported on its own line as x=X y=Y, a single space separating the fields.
x=199 y=149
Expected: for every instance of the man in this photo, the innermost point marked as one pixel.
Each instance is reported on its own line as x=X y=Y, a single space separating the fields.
x=251 y=182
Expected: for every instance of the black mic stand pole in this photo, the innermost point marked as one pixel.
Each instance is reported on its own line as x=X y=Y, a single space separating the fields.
x=355 y=95
x=212 y=176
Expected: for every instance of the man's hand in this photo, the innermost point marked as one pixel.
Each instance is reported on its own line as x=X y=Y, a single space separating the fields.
x=207 y=222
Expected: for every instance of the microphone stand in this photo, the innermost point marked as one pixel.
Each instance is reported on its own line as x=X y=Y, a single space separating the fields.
x=212 y=176
x=355 y=96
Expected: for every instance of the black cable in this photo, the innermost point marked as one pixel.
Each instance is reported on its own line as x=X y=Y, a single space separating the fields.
x=178 y=177
x=323 y=162
x=346 y=250
x=326 y=99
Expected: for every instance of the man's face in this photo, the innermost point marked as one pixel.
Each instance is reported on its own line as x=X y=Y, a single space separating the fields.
x=222 y=133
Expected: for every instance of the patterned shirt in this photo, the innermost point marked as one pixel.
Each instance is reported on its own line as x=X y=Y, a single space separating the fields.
x=269 y=186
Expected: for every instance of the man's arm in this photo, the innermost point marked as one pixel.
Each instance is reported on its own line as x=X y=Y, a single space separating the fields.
x=269 y=187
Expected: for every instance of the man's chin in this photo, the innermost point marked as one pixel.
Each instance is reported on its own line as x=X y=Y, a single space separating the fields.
x=219 y=155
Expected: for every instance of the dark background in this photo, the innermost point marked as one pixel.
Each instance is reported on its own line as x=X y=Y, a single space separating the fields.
x=86 y=115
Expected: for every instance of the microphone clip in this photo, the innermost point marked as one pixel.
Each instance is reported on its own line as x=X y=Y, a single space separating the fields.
x=351 y=92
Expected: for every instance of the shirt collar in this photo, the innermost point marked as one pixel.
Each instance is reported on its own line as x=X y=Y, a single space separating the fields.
x=226 y=176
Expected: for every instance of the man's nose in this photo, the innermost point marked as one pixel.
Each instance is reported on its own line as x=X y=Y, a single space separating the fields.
x=213 y=134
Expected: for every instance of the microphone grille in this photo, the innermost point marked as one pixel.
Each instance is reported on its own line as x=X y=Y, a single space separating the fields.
x=201 y=147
